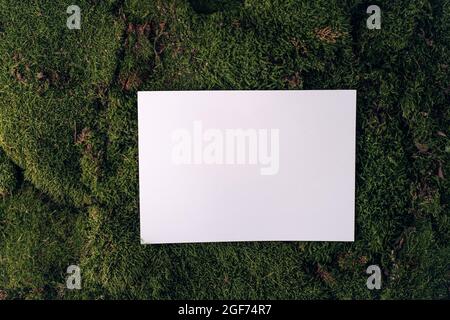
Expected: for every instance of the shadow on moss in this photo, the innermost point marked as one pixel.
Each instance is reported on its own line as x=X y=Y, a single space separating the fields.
x=211 y=6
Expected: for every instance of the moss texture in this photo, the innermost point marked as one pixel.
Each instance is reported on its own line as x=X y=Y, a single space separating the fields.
x=68 y=139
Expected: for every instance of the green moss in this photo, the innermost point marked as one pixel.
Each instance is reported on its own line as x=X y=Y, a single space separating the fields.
x=69 y=121
x=53 y=80
x=36 y=246
x=8 y=175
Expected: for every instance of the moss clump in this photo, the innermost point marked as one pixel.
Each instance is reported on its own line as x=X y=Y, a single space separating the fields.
x=53 y=80
x=37 y=244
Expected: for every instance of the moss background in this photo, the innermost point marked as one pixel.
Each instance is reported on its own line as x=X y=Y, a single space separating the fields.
x=68 y=143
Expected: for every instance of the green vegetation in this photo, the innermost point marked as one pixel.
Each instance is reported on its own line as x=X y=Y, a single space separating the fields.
x=68 y=143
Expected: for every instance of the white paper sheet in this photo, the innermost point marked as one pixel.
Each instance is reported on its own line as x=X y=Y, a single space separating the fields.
x=247 y=165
